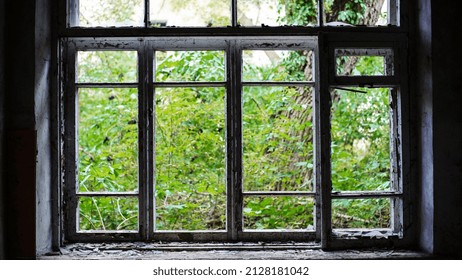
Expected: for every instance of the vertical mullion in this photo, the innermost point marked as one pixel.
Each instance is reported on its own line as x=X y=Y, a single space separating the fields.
x=234 y=22
x=71 y=140
x=149 y=79
x=394 y=152
x=234 y=142
x=393 y=12
x=146 y=13
x=143 y=143
x=230 y=135
x=73 y=12
x=323 y=135
x=317 y=141
x=320 y=12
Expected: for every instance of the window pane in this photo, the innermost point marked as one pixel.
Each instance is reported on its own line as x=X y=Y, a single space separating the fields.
x=257 y=12
x=111 y=13
x=188 y=66
x=361 y=213
x=190 y=13
x=366 y=12
x=277 y=65
x=108 y=140
x=278 y=135
x=298 y=13
x=277 y=13
x=190 y=159
x=108 y=213
x=360 y=140
x=107 y=67
x=282 y=212
x=364 y=62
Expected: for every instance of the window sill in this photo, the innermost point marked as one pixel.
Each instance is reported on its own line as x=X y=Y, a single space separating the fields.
x=209 y=251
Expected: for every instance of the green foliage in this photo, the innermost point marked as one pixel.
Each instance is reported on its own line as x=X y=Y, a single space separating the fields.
x=108 y=138
x=361 y=213
x=108 y=213
x=298 y=12
x=190 y=143
x=360 y=141
x=360 y=131
x=278 y=213
x=272 y=140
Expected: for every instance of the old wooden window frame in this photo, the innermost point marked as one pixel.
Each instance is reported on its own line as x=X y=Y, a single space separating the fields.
x=328 y=40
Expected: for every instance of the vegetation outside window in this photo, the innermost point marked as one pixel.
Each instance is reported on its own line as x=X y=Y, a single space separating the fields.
x=268 y=120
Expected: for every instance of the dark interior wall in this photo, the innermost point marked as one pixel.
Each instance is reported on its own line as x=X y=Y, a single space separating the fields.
x=27 y=106
x=447 y=123
x=2 y=132
x=439 y=86
x=20 y=131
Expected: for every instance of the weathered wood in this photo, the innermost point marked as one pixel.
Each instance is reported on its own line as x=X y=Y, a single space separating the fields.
x=107 y=194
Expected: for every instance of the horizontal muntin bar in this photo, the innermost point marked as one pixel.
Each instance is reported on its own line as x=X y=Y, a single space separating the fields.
x=106 y=85
x=190 y=231
x=107 y=231
x=188 y=84
x=268 y=83
x=278 y=231
x=365 y=81
x=360 y=195
x=223 y=31
x=278 y=193
x=107 y=194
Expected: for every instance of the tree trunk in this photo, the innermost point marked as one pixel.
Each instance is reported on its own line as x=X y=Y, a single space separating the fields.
x=371 y=16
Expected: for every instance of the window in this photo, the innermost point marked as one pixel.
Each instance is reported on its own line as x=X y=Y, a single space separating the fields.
x=241 y=122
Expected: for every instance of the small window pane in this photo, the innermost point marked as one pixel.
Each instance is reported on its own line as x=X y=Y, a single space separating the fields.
x=257 y=12
x=278 y=137
x=108 y=213
x=277 y=65
x=277 y=13
x=281 y=212
x=190 y=66
x=107 y=67
x=360 y=140
x=111 y=13
x=367 y=12
x=108 y=140
x=200 y=13
x=361 y=213
x=364 y=62
x=294 y=13
x=190 y=159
